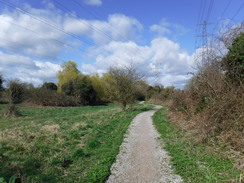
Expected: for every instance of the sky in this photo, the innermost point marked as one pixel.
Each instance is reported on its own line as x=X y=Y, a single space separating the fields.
x=159 y=37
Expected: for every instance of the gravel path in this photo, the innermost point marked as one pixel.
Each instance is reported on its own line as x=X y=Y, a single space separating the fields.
x=141 y=158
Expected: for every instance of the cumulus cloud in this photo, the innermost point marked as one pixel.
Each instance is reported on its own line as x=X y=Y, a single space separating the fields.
x=27 y=69
x=25 y=34
x=94 y=2
x=117 y=27
x=162 y=61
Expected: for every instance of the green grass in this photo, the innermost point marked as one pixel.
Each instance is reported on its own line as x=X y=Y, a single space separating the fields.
x=193 y=162
x=76 y=144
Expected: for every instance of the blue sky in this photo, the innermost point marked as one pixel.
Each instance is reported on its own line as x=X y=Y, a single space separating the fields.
x=159 y=37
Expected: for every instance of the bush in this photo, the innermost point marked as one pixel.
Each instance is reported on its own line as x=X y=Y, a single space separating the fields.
x=233 y=62
x=11 y=111
x=45 y=97
x=50 y=86
x=15 y=92
x=81 y=89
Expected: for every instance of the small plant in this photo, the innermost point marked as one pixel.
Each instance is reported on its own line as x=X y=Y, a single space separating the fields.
x=11 y=180
x=11 y=111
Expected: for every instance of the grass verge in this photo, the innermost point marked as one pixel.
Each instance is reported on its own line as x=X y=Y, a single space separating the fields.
x=193 y=161
x=77 y=144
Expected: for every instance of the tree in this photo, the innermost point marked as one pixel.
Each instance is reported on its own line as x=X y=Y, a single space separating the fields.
x=1 y=85
x=99 y=86
x=141 y=90
x=234 y=60
x=69 y=71
x=15 y=91
x=50 y=86
x=81 y=88
x=122 y=85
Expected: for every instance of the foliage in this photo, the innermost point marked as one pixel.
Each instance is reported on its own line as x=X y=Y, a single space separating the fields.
x=1 y=85
x=122 y=85
x=44 y=97
x=193 y=161
x=81 y=88
x=11 y=111
x=69 y=71
x=50 y=86
x=73 y=144
x=99 y=86
x=141 y=90
x=211 y=106
x=15 y=91
x=234 y=60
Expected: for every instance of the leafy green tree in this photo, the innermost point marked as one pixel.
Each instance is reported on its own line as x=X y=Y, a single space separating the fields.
x=98 y=84
x=85 y=91
x=81 y=88
x=141 y=90
x=234 y=60
x=50 y=86
x=69 y=71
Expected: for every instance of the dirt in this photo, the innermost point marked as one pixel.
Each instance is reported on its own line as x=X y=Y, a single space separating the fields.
x=141 y=157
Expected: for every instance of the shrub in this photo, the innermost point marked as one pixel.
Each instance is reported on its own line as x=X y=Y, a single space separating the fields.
x=233 y=62
x=11 y=111
x=50 y=86
x=81 y=89
x=15 y=91
x=45 y=97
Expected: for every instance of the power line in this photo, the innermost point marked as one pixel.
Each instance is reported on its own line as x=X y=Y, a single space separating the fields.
x=92 y=27
x=226 y=7
x=42 y=35
x=44 y=22
x=13 y=48
x=95 y=16
x=209 y=10
x=238 y=10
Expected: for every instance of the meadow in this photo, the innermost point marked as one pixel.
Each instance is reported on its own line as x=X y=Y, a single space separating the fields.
x=55 y=144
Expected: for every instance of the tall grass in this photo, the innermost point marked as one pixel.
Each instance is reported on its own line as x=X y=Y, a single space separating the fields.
x=194 y=162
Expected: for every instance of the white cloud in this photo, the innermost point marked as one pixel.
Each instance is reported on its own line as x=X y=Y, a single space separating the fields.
x=162 y=61
x=164 y=27
x=161 y=28
x=26 y=69
x=118 y=27
x=94 y=2
x=24 y=34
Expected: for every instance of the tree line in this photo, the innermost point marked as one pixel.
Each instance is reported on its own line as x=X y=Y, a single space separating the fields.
x=123 y=85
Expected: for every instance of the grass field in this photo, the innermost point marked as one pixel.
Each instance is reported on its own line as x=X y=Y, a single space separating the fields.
x=76 y=144
x=193 y=161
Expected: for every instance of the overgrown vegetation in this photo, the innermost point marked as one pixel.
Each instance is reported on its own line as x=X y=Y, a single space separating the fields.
x=193 y=161
x=76 y=144
x=211 y=106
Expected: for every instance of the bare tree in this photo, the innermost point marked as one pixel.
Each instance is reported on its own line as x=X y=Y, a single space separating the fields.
x=122 y=84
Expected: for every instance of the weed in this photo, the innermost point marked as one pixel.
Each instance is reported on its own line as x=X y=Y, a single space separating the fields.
x=193 y=161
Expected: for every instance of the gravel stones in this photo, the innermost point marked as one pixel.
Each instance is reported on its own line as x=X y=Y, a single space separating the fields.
x=141 y=158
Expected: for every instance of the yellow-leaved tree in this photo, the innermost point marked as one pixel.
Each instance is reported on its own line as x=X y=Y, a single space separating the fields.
x=69 y=71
